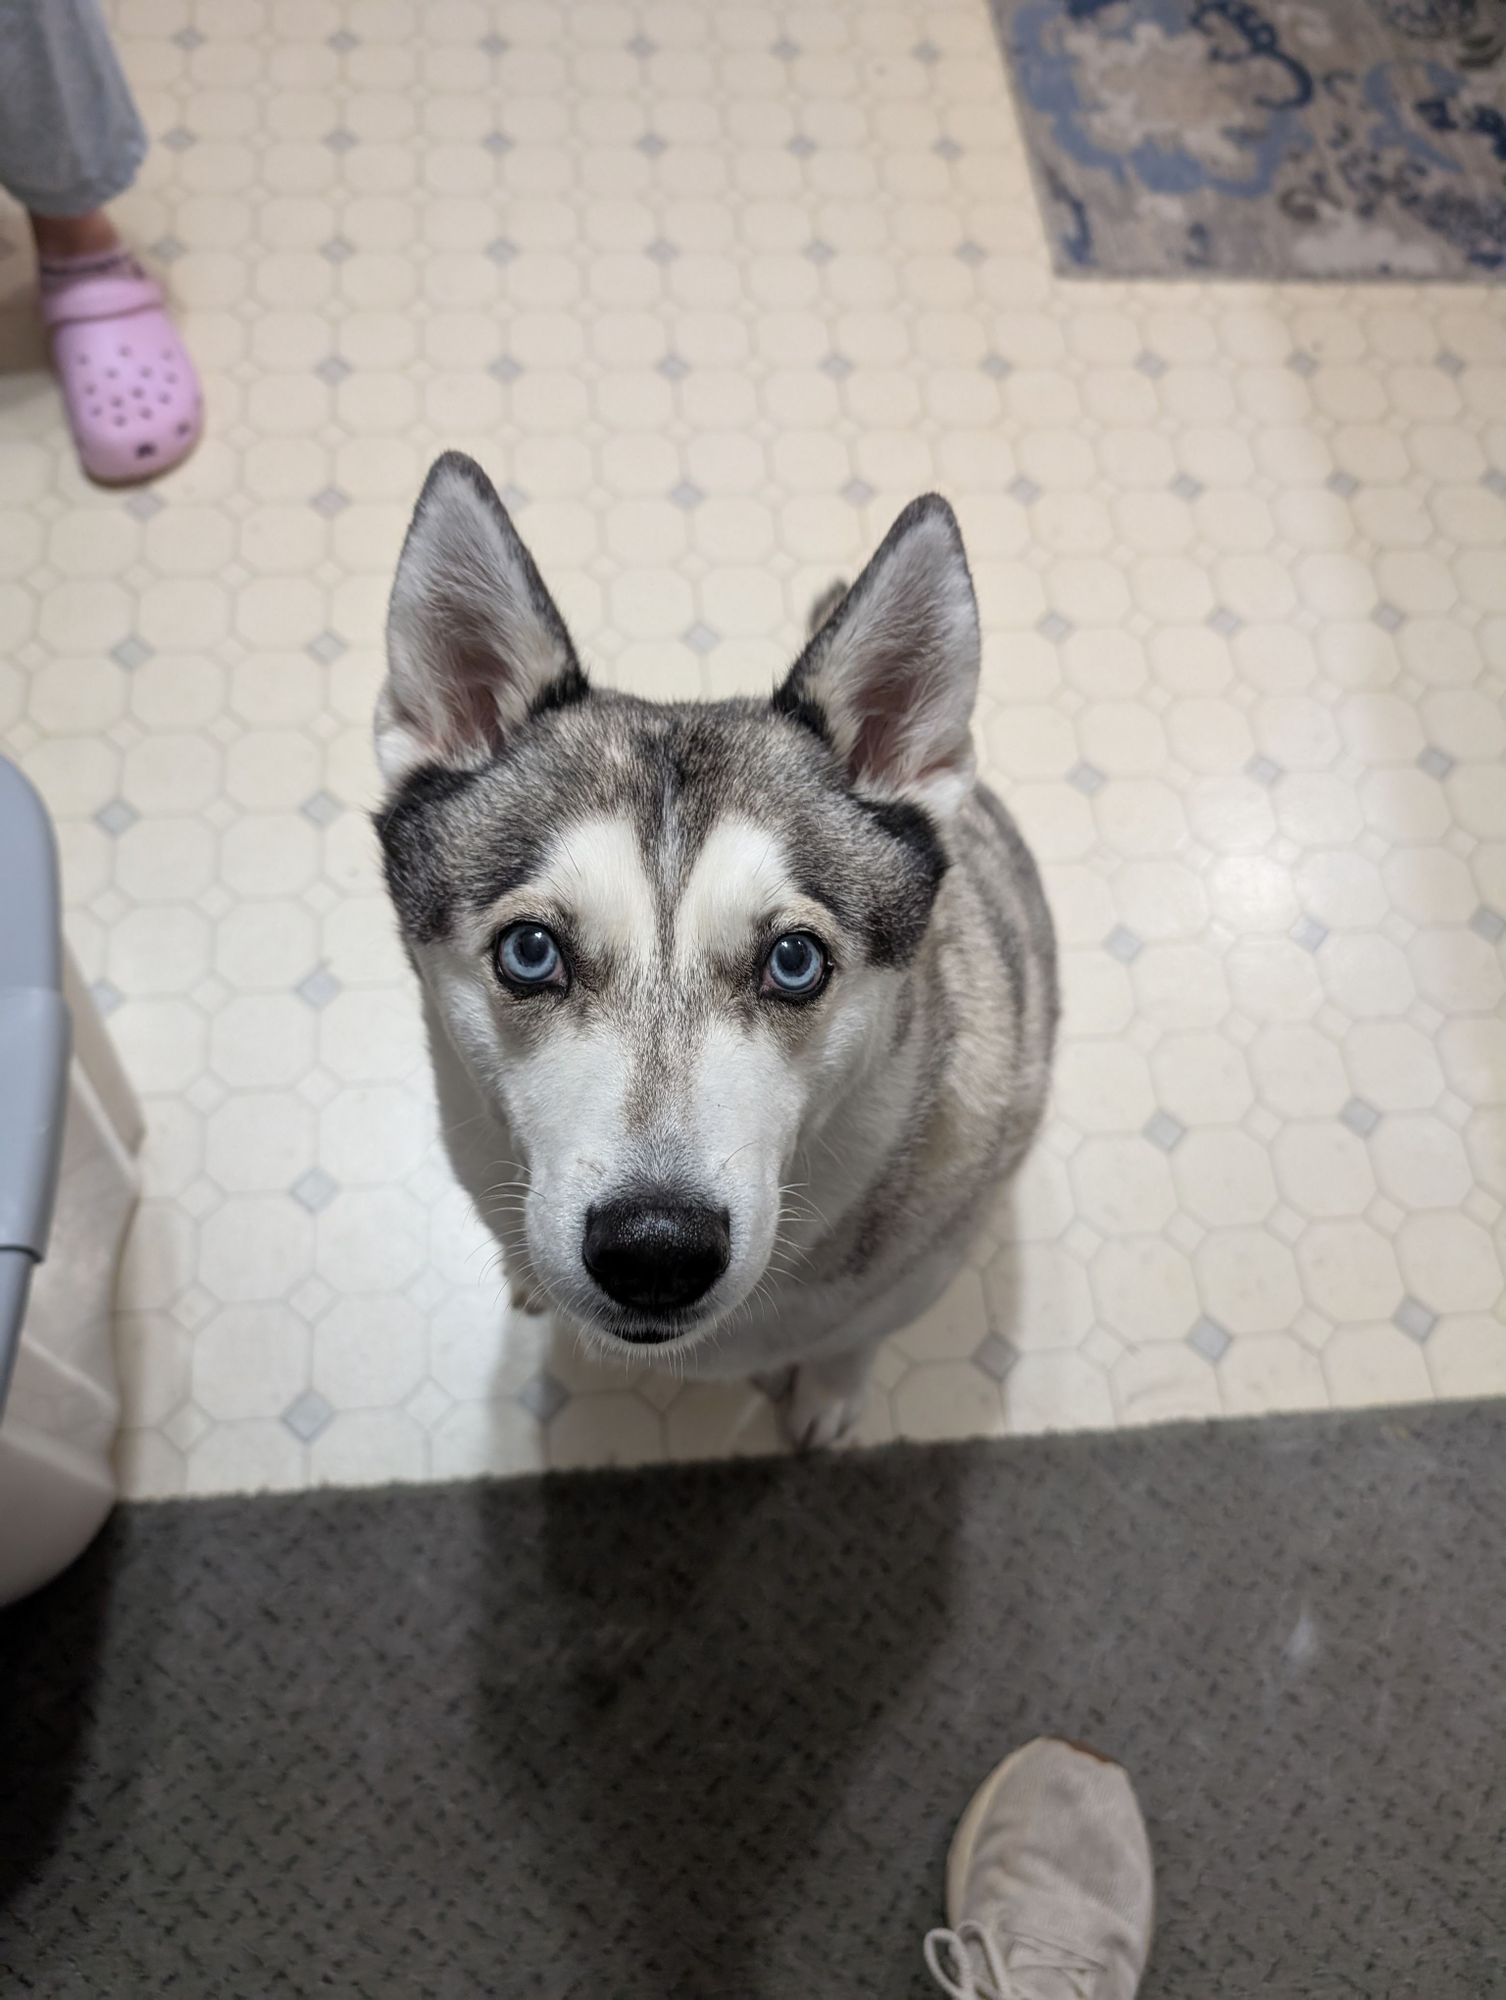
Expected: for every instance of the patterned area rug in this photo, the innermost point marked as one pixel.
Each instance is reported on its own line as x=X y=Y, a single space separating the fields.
x=1338 y=139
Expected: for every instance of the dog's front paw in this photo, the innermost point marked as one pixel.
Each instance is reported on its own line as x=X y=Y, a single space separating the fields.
x=819 y=1412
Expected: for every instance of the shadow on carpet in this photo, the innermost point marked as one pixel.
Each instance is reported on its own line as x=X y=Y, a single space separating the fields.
x=704 y=1731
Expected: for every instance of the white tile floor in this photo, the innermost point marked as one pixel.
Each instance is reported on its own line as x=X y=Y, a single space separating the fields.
x=712 y=289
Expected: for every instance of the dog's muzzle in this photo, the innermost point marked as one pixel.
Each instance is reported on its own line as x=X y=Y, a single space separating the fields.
x=656 y=1253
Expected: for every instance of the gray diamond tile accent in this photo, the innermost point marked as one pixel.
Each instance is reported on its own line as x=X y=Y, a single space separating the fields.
x=1302 y=363
x=1186 y=487
x=1360 y=1117
x=494 y=45
x=926 y=52
x=1086 y=778
x=819 y=251
x=1264 y=770
x=316 y=1189
x=1309 y=933
x=662 y=250
x=131 y=651
x=700 y=638
x=947 y=149
x=651 y=145
x=327 y=647
x=1388 y=618
x=501 y=249
x=837 y=366
x=115 y=817
x=322 y=808
x=497 y=142
x=188 y=39
x=332 y=370
x=330 y=502
x=1343 y=483
x=1121 y=943
x=1164 y=1131
x=340 y=140
x=642 y=47
x=802 y=146
x=1024 y=490
x=785 y=49
x=105 y=996
x=1488 y=924
x=143 y=506
x=673 y=368
x=687 y=494
x=1448 y=361
x=1224 y=621
x=307 y=1415
x=337 y=250
x=504 y=368
x=543 y=1397
x=1054 y=627
x=167 y=249
x=1414 y=1319
x=1149 y=364
x=1437 y=763
x=1208 y=1338
x=857 y=492
x=319 y=988
x=1496 y=481
x=342 y=41
x=997 y=366
x=969 y=252
x=994 y=1356
x=179 y=139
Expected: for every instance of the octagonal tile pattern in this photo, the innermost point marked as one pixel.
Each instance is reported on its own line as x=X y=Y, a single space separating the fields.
x=713 y=291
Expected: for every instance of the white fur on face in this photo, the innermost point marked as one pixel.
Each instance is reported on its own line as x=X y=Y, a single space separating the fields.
x=745 y=1095
x=596 y=871
x=741 y=878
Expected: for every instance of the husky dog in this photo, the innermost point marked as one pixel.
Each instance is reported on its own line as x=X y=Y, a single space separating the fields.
x=748 y=1006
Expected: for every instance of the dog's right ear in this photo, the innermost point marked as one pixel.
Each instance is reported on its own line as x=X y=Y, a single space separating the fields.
x=475 y=643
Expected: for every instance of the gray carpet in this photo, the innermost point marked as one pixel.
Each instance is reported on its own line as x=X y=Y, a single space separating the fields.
x=704 y=1731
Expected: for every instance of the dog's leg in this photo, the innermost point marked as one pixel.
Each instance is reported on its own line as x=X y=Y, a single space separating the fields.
x=826 y=1398
x=776 y=1385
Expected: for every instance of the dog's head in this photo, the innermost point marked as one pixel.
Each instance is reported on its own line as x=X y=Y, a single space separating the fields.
x=666 y=939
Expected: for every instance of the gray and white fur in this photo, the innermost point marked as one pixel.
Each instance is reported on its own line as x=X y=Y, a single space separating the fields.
x=681 y=1155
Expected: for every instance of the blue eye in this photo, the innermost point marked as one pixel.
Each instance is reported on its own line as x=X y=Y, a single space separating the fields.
x=796 y=967
x=527 y=955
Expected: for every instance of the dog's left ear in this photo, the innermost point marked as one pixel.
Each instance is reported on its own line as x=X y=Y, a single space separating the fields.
x=891 y=674
x=475 y=643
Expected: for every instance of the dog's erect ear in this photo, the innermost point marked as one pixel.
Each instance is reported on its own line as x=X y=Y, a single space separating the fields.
x=475 y=644
x=891 y=673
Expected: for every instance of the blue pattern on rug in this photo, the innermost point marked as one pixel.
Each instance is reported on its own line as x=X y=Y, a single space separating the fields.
x=1295 y=139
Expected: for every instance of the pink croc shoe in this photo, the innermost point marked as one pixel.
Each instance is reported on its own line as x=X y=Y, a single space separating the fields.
x=132 y=393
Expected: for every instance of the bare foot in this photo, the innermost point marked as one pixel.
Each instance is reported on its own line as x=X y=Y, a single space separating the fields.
x=59 y=237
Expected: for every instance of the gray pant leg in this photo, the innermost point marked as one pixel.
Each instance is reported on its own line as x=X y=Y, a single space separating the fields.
x=70 y=135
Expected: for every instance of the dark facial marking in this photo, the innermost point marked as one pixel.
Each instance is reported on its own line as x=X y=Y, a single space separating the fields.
x=417 y=879
x=458 y=840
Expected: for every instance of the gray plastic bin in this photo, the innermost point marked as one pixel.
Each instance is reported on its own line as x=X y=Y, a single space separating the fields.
x=69 y=1127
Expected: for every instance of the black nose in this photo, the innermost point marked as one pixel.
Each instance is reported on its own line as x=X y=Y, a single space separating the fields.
x=656 y=1252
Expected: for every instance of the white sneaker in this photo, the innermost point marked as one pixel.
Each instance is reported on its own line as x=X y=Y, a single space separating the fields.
x=1049 y=1883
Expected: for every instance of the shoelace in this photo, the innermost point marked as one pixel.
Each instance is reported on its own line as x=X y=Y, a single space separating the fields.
x=977 y=1970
